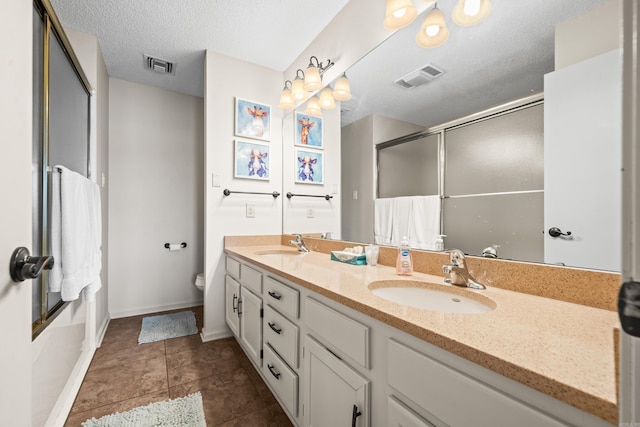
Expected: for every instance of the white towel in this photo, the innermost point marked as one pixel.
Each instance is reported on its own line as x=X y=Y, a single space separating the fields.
x=414 y=217
x=383 y=221
x=424 y=224
x=76 y=235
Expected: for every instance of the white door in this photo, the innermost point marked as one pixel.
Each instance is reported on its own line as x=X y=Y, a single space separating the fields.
x=15 y=209
x=335 y=394
x=251 y=324
x=582 y=161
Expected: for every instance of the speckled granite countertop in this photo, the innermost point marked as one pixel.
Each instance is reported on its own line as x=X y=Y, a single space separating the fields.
x=562 y=349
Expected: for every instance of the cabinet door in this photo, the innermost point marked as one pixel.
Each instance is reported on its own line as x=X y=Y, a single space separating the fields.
x=232 y=296
x=251 y=324
x=335 y=394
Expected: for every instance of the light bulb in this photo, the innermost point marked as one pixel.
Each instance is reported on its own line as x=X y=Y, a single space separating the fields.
x=400 y=13
x=432 y=30
x=471 y=7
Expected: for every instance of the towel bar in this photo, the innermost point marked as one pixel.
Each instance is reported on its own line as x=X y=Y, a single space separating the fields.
x=226 y=192
x=326 y=196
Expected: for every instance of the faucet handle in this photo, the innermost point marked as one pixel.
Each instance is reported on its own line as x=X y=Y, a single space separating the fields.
x=456 y=257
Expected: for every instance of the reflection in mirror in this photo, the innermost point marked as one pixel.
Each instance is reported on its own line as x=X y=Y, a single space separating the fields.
x=496 y=63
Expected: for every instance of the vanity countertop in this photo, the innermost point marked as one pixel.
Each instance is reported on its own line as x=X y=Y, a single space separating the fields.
x=561 y=349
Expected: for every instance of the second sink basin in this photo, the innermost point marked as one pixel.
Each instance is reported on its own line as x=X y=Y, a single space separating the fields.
x=432 y=297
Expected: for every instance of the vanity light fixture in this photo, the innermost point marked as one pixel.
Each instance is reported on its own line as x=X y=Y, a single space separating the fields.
x=399 y=14
x=342 y=89
x=297 y=87
x=471 y=12
x=433 y=31
x=327 y=102
x=286 y=101
x=309 y=81
x=313 y=107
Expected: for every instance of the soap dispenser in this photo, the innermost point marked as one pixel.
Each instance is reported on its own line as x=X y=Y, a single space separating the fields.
x=440 y=242
x=404 y=263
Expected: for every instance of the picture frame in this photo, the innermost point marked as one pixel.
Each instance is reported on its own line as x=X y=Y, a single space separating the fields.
x=251 y=160
x=252 y=119
x=309 y=131
x=309 y=167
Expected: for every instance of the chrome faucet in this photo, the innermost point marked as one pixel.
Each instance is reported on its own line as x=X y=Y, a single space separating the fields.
x=457 y=271
x=299 y=243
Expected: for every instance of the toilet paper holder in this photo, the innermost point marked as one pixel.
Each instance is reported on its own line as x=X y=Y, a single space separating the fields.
x=182 y=245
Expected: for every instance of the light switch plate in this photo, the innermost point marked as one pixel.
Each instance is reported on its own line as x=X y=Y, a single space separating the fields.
x=215 y=180
x=251 y=211
x=310 y=213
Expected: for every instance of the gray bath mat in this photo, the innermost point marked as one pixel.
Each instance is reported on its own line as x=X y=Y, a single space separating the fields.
x=164 y=326
x=184 y=412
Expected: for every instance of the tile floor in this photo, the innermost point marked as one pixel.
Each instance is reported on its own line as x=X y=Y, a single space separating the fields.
x=124 y=374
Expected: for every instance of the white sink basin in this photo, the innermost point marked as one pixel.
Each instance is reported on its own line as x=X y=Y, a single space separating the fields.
x=432 y=297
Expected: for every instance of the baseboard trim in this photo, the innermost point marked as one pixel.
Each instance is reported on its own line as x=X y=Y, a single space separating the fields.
x=63 y=405
x=102 y=331
x=215 y=335
x=153 y=309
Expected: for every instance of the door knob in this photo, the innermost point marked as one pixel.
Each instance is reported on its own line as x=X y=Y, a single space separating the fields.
x=24 y=266
x=556 y=232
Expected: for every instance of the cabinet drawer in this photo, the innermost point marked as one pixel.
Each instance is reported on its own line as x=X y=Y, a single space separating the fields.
x=400 y=415
x=233 y=267
x=283 y=380
x=251 y=278
x=282 y=297
x=341 y=332
x=439 y=389
x=282 y=335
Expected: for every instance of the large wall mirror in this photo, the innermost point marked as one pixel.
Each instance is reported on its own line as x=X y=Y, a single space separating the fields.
x=484 y=80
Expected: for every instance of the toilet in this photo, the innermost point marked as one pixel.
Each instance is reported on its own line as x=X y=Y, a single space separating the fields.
x=200 y=281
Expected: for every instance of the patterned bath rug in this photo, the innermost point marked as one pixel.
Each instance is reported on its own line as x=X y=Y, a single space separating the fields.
x=164 y=326
x=182 y=412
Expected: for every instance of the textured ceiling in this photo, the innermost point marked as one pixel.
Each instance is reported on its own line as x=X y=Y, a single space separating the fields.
x=502 y=59
x=269 y=33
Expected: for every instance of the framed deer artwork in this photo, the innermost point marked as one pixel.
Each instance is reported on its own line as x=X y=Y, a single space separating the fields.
x=251 y=160
x=308 y=131
x=309 y=167
x=253 y=119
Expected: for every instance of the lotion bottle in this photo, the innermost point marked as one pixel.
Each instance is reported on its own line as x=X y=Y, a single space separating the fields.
x=404 y=263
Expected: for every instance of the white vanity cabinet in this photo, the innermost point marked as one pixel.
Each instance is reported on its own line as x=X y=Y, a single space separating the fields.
x=335 y=394
x=243 y=307
x=330 y=365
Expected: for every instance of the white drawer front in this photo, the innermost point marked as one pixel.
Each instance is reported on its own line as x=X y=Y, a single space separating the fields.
x=454 y=398
x=282 y=335
x=251 y=278
x=339 y=331
x=400 y=415
x=283 y=380
x=233 y=267
x=282 y=297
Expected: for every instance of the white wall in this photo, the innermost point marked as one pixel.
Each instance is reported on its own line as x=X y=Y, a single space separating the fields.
x=226 y=78
x=359 y=172
x=325 y=213
x=155 y=196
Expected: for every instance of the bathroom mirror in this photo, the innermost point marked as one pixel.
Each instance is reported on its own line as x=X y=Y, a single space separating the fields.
x=496 y=62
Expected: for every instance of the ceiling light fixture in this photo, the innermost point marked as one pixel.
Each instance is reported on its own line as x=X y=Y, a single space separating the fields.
x=399 y=14
x=313 y=107
x=311 y=81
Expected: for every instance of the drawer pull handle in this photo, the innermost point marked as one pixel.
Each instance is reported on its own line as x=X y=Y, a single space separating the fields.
x=239 y=302
x=355 y=415
x=275 y=295
x=274 y=372
x=273 y=328
x=233 y=303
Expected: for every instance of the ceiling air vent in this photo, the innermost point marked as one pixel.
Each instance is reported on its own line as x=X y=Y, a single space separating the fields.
x=419 y=77
x=158 y=65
